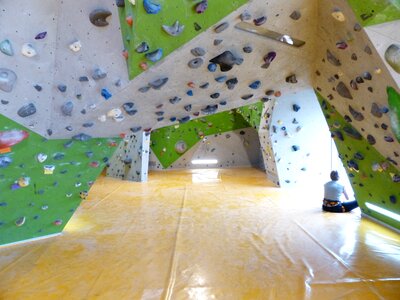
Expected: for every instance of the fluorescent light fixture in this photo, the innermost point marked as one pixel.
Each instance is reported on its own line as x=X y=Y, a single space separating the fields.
x=204 y=161
x=383 y=211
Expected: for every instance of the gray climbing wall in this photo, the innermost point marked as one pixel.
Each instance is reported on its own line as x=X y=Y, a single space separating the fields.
x=301 y=141
x=351 y=74
x=238 y=148
x=131 y=160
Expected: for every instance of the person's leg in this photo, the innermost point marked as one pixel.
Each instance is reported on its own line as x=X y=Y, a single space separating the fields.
x=350 y=205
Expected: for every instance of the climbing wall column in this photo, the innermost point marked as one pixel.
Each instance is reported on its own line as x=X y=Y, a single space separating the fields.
x=131 y=160
x=266 y=143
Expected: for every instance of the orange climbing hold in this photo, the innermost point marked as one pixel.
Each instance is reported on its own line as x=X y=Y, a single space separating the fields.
x=129 y=20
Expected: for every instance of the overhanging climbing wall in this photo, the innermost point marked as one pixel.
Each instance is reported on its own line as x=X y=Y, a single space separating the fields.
x=355 y=81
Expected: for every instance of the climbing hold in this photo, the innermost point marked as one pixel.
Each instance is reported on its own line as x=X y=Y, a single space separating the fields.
x=392 y=56
x=188 y=107
x=142 y=48
x=393 y=199
x=291 y=79
x=341 y=45
x=28 y=50
x=226 y=61
x=268 y=59
x=214 y=96
x=368 y=50
x=81 y=137
x=83 y=79
x=99 y=74
x=353 y=85
x=201 y=7
x=159 y=83
x=358 y=156
x=338 y=15
x=376 y=111
x=354 y=56
x=221 y=27
x=129 y=20
x=356 y=114
x=204 y=85
x=106 y=93
x=7 y=80
x=57 y=222
x=5 y=161
x=151 y=7
x=221 y=78
x=75 y=46
x=245 y=16
x=295 y=148
x=353 y=166
x=247 y=49
x=41 y=35
x=175 y=100
x=359 y=79
x=144 y=89
x=259 y=21
x=209 y=109
x=20 y=221
x=184 y=120
x=367 y=76
x=223 y=102
x=62 y=88
x=180 y=147
x=129 y=108
x=135 y=129
x=195 y=63
x=269 y=92
x=174 y=30
x=120 y=3
x=41 y=157
x=332 y=59
x=27 y=110
x=67 y=108
x=197 y=27
x=198 y=51
x=295 y=15
x=247 y=96
x=98 y=17
x=155 y=55
x=296 y=107
x=357 y=27
x=231 y=83
x=217 y=42
x=189 y=93
x=212 y=67
x=388 y=139
x=255 y=84
x=6 y=48
x=351 y=132
x=343 y=91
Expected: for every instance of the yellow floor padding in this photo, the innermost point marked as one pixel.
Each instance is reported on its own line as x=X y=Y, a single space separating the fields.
x=205 y=234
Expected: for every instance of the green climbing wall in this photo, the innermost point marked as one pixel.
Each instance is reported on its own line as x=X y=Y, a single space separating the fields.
x=163 y=140
x=148 y=27
x=372 y=12
x=374 y=179
x=252 y=114
x=394 y=105
x=48 y=197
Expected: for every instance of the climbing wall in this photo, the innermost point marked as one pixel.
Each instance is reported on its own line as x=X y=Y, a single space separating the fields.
x=43 y=181
x=131 y=160
x=373 y=179
x=300 y=140
x=352 y=76
x=362 y=102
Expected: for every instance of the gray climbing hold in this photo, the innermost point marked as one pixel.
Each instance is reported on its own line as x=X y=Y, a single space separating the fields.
x=231 y=83
x=198 y=51
x=195 y=63
x=181 y=147
x=67 y=108
x=245 y=16
x=188 y=107
x=295 y=15
x=221 y=27
x=6 y=48
x=247 y=49
x=174 y=30
x=129 y=108
x=332 y=59
x=357 y=27
x=83 y=78
x=62 y=88
x=144 y=89
x=27 y=110
x=356 y=114
x=120 y=3
x=5 y=161
x=343 y=91
x=392 y=57
x=98 y=17
x=142 y=48
x=159 y=83
x=88 y=124
x=7 y=80
x=175 y=100
x=217 y=42
x=38 y=87
x=99 y=74
x=81 y=137
x=291 y=79
x=227 y=60
x=155 y=55
x=376 y=110
x=209 y=109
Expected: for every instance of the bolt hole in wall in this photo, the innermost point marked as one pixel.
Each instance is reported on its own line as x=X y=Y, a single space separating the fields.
x=304 y=150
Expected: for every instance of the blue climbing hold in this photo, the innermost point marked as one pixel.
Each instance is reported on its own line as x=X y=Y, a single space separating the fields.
x=221 y=78
x=255 y=85
x=155 y=55
x=151 y=7
x=189 y=93
x=212 y=67
x=106 y=94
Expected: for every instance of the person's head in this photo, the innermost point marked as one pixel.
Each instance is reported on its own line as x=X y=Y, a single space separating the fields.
x=335 y=175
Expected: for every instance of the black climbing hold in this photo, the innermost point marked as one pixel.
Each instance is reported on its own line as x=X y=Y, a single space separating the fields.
x=142 y=48
x=27 y=110
x=175 y=100
x=291 y=79
x=247 y=96
x=226 y=61
x=98 y=17
x=209 y=109
x=135 y=129
x=356 y=114
x=197 y=27
x=188 y=107
x=215 y=95
x=120 y=3
x=204 y=85
x=231 y=83
x=144 y=89
x=83 y=78
x=371 y=140
x=358 y=156
x=259 y=21
x=82 y=137
x=247 y=49
x=159 y=83
x=295 y=15
x=367 y=76
x=129 y=108
x=37 y=87
x=351 y=132
x=295 y=148
x=296 y=107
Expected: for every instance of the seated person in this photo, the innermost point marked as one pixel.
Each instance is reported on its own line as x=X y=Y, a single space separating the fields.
x=332 y=192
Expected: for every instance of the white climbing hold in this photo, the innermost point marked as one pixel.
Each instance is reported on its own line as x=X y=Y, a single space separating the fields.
x=75 y=46
x=28 y=50
x=41 y=157
x=114 y=113
x=102 y=118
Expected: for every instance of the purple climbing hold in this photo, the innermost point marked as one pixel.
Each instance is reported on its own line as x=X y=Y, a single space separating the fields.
x=41 y=35
x=259 y=21
x=268 y=59
x=201 y=7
